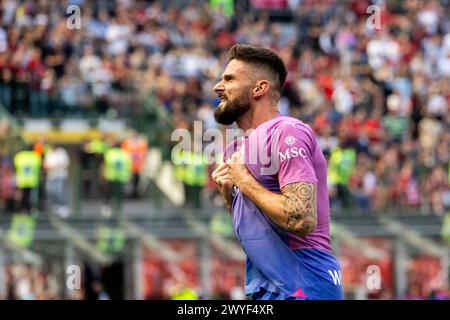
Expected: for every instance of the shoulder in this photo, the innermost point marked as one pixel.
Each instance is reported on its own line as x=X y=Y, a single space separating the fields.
x=294 y=129
x=289 y=123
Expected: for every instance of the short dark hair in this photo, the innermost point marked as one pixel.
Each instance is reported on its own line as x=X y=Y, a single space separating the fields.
x=263 y=58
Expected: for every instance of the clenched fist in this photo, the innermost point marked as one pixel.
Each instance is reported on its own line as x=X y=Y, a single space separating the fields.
x=238 y=171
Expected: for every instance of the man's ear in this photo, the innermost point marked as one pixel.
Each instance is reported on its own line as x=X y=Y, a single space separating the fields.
x=261 y=88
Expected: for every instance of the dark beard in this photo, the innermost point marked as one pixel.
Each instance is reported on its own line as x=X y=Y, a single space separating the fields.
x=232 y=110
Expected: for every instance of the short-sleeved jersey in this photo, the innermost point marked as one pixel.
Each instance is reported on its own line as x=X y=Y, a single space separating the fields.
x=279 y=152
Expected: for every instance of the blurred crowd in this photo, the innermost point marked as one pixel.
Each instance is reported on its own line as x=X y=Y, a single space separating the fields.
x=112 y=168
x=34 y=177
x=377 y=96
x=38 y=176
x=29 y=282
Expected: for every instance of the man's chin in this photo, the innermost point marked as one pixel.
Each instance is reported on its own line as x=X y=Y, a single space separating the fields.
x=227 y=113
x=223 y=118
x=224 y=121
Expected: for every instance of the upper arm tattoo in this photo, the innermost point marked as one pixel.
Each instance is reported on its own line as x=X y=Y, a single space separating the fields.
x=300 y=207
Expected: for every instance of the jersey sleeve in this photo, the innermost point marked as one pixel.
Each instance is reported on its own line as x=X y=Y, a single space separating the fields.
x=295 y=148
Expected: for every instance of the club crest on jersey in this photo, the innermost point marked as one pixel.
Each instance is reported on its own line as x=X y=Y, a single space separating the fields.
x=290 y=141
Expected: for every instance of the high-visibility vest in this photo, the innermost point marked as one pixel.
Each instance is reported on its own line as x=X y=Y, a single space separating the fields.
x=28 y=168
x=179 y=164
x=195 y=170
x=138 y=151
x=341 y=165
x=221 y=223
x=97 y=146
x=110 y=240
x=41 y=148
x=21 y=231
x=117 y=165
x=227 y=6
x=445 y=231
x=185 y=294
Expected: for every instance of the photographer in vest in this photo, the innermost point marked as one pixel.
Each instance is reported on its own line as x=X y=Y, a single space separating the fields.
x=117 y=172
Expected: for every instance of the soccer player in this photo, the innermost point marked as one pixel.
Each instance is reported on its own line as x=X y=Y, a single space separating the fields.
x=280 y=206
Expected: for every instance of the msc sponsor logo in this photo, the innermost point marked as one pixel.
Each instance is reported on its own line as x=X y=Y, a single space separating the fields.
x=293 y=152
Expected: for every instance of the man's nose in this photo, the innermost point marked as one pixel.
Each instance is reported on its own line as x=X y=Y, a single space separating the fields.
x=219 y=88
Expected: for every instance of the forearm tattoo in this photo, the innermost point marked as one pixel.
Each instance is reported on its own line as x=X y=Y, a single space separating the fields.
x=300 y=207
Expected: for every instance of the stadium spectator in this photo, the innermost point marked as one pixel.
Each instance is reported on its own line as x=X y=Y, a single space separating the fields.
x=137 y=147
x=7 y=188
x=437 y=189
x=28 y=282
x=117 y=172
x=28 y=166
x=56 y=166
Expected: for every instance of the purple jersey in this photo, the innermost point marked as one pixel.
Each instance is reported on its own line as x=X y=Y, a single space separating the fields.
x=279 y=152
